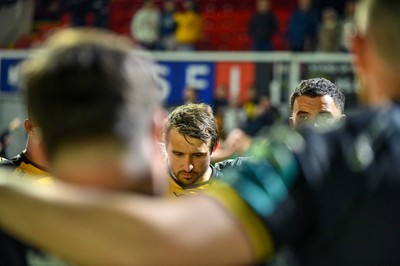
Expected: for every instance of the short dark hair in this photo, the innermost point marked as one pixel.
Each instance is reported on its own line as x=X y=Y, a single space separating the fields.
x=195 y=120
x=89 y=84
x=317 y=87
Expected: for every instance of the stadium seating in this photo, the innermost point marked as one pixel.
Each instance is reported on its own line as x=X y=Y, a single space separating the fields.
x=225 y=23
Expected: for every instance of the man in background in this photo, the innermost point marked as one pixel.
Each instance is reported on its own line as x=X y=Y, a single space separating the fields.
x=33 y=163
x=316 y=101
x=263 y=26
x=32 y=160
x=145 y=25
x=191 y=136
x=6 y=138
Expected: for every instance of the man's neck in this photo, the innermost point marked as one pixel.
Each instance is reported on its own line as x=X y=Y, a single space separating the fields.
x=206 y=176
x=35 y=157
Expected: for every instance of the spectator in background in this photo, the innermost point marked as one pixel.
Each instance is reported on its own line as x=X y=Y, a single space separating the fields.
x=5 y=136
x=190 y=95
x=250 y=106
x=263 y=26
x=347 y=26
x=220 y=102
x=329 y=31
x=189 y=23
x=302 y=27
x=167 y=27
x=266 y=115
x=234 y=115
x=80 y=9
x=49 y=10
x=16 y=19
x=145 y=25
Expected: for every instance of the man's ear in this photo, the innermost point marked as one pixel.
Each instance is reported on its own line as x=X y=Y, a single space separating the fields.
x=358 y=44
x=29 y=127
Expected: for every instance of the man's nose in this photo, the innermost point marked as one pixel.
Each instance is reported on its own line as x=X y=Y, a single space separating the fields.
x=188 y=165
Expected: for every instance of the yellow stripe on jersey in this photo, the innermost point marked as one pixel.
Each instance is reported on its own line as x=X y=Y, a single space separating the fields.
x=258 y=234
x=175 y=190
x=26 y=167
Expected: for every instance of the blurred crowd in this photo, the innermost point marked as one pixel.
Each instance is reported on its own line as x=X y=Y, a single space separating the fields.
x=187 y=25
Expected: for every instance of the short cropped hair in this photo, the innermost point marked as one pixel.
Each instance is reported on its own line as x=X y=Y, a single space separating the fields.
x=195 y=120
x=88 y=84
x=379 y=19
x=318 y=87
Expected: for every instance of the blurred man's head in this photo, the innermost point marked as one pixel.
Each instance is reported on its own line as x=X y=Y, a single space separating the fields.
x=329 y=16
x=263 y=6
x=317 y=101
x=94 y=100
x=191 y=136
x=169 y=5
x=376 y=46
x=190 y=95
x=304 y=4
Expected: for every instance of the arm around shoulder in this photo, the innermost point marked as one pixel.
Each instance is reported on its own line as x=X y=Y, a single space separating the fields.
x=97 y=227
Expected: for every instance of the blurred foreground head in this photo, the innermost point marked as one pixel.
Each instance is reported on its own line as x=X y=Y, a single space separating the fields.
x=376 y=46
x=95 y=99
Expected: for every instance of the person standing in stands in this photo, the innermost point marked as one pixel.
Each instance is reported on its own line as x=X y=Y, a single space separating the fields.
x=302 y=29
x=16 y=20
x=329 y=31
x=167 y=40
x=263 y=26
x=80 y=9
x=347 y=26
x=189 y=24
x=145 y=25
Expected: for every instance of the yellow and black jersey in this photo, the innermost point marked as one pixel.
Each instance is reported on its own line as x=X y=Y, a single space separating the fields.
x=12 y=250
x=176 y=190
x=22 y=165
x=258 y=234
